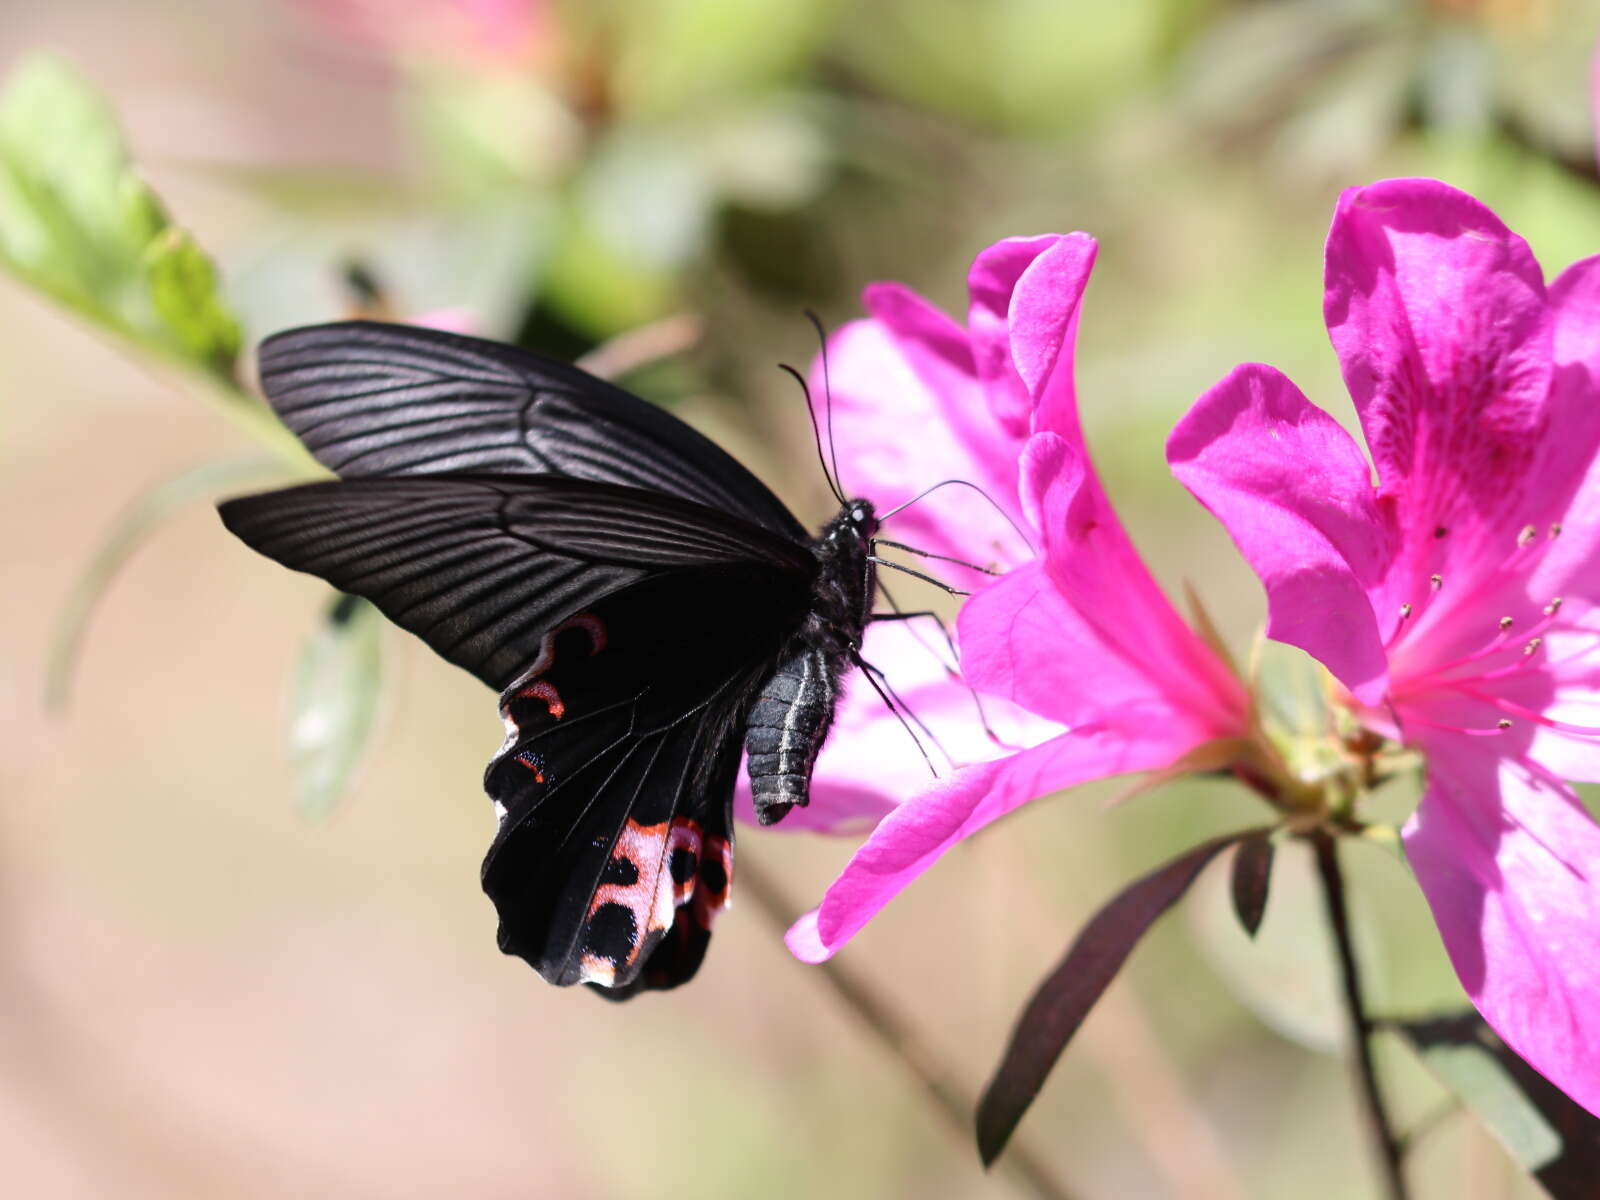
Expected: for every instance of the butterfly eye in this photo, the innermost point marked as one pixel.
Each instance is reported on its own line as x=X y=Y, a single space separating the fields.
x=858 y=514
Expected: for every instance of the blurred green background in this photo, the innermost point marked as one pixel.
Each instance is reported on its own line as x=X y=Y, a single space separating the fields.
x=208 y=988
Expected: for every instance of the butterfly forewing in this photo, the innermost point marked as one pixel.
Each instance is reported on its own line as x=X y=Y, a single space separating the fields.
x=481 y=567
x=375 y=399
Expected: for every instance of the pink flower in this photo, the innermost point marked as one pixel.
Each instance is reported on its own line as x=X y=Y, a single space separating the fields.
x=1081 y=635
x=1442 y=598
x=910 y=409
x=475 y=33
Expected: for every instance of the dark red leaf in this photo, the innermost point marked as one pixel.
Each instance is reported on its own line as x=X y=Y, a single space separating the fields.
x=1252 y=873
x=1555 y=1139
x=1078 y=981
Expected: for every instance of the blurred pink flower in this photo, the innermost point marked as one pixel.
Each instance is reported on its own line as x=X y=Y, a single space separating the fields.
x=1080 y=636
x=1594 y=96
x=470 y=32
x=451 y=320
x=1442 y=598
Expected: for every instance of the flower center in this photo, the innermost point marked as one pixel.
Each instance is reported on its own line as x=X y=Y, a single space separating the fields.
x=1515 y=645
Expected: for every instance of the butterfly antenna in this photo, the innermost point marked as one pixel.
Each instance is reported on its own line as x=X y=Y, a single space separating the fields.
x=816 y=433
x=880 y=684
x=926 y=492
x=827 y=391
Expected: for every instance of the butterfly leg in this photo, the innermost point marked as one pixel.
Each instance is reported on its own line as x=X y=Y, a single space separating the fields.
x=900 y=614
x=902 y=711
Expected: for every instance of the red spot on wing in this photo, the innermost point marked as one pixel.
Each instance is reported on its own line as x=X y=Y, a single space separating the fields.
x=654 y=896
x=714 y=881
x=545 y=691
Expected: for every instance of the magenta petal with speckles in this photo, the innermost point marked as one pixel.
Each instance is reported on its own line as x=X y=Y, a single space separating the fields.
x=1457 y=598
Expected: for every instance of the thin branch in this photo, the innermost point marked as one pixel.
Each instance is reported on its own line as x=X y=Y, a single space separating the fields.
x=895 y=1034
x=639 y=347
x=1579 y=165
x=1379 y=1123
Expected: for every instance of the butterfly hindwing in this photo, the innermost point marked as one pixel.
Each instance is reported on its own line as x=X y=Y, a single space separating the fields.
x=629 y=633
x=613 y=853
x=373 y=399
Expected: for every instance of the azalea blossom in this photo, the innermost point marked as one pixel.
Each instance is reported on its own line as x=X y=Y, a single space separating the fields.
x=476 y=33
x=1454 y=600
x=1079 y=634
x=910 y=369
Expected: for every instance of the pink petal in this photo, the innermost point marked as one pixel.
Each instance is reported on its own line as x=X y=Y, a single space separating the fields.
x=870 y=763
x=1021 y=640
x=1294 y=492
x=1510 y=863
x=991 y=284
x=1438 y=314
x=913 y=837
x=1093 y=564
x=1044 y=331
x=907 y=374
x=1567 y=476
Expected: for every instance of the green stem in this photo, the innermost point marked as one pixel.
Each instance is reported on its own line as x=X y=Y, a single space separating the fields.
x=1384 y=1139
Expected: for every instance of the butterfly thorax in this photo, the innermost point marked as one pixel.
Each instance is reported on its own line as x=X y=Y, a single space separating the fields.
x=795 y=706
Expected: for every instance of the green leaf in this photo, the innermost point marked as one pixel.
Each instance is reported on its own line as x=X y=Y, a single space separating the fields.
x=183 y=288
x=335 y=702
x=137 y=523
x=1547 y=1133
x=79 y=224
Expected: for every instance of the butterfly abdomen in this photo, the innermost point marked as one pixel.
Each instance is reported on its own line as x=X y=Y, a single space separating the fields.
x=786 y=728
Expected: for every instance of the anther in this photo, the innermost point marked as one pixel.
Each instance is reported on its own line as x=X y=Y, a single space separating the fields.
x=1405 y=611
x=1436 y=582
x=1555 y=529
x=1553 y=607
x=1503 y=723
x=1505 y=624
x=1529 y=533
x=1533 y=644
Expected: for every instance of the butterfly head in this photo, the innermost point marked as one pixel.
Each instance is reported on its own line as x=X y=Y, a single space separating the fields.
x=859 y=518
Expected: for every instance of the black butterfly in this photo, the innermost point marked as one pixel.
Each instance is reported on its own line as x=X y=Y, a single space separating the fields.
x=641 y=601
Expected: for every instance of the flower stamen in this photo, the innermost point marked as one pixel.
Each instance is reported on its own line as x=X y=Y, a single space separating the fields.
x=1538 y=718
x=1500 y=727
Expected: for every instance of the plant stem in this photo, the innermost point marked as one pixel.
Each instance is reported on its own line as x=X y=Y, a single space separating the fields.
x=895 y=1034
x=1378 y=1122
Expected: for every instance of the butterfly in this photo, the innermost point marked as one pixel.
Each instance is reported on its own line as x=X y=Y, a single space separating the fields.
x=645 y=606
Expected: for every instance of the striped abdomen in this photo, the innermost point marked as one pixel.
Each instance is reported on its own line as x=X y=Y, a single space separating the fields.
x=785 y=730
